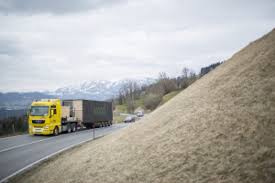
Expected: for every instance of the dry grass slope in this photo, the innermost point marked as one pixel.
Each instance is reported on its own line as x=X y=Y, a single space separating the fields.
x=220 y=129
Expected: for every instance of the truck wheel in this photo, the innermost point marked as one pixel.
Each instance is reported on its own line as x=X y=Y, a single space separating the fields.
x=73 y=127
x=55 y=131
x=69 y=128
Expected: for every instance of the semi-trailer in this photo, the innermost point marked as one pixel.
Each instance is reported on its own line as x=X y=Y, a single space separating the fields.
x=53 y=116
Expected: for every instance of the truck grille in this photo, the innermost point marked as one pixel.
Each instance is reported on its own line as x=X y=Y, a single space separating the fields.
x=38 y=121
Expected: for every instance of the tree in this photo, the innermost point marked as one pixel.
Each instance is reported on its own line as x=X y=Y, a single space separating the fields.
x=184 y=78
x=188 y=76
x=205 y=70
x=121 y=98
x=151 y=101
x=185 y=72
x=128 y=93
x=192 y=77
x=167 y=84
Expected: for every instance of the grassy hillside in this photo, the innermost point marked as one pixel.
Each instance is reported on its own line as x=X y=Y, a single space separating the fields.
x=220 y=129
x=168 y=96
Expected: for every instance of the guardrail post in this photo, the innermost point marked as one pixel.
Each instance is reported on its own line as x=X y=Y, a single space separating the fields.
x=93 y=131
x=13 y=130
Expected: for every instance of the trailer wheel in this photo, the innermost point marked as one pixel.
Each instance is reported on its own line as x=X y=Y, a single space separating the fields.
x=69 y=128
x=55 y=131
x=90 y=126
x=73 y=127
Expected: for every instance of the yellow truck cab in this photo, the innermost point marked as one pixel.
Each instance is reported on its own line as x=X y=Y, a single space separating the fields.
x=45 y=118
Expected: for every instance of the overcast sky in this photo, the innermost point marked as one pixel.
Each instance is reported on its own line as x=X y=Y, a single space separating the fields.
x=46 y=44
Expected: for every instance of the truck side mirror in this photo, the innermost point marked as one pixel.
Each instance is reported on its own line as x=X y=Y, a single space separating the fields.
x=28 y=112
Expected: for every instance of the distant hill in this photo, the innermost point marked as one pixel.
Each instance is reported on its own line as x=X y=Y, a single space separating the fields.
x=16 y=100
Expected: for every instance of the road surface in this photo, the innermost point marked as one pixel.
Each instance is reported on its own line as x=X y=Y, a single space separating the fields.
x=21 y=152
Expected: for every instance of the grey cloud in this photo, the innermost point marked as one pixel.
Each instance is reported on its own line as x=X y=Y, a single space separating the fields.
x=51 y=6
x=8 y=47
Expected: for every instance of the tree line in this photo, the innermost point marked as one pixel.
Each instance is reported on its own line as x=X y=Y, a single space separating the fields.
x=152 y=94
x=13 y=125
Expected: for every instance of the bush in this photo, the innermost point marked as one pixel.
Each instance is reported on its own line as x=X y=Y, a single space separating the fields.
x=13 y=125
x=152 y=101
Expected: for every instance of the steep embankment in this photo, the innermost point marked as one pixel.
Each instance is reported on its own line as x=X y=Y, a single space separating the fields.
x=220 y=129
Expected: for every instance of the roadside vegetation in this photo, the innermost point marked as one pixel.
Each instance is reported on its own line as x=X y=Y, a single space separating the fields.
x=13 y=126
x=132 y=96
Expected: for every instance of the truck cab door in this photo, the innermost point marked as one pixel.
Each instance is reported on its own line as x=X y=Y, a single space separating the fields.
x=53 y=115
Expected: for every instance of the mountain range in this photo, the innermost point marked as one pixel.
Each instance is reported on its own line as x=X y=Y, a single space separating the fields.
x=90 y=90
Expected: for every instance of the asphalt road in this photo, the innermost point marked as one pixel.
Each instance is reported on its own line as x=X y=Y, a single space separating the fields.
x=21 y=152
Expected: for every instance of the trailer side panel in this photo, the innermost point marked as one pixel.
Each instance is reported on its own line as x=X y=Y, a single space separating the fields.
x=90 y=113
x=97 y=111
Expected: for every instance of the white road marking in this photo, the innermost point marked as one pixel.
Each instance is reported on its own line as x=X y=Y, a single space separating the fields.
x=21 y=145
x=3 y=138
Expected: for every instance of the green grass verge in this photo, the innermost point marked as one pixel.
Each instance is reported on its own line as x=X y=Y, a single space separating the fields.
x=118 y=118
x=121 y=108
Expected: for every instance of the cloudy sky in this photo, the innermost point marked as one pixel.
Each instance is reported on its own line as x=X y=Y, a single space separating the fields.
x=46 y=44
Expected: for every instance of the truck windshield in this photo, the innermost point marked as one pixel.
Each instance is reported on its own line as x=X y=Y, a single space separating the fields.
x=39 y=110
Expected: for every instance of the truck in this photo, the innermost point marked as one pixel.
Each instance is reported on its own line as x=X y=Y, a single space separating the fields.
x=54 y=116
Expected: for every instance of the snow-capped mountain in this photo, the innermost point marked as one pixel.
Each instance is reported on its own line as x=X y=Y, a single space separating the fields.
x=93 y=90
x=96 y=90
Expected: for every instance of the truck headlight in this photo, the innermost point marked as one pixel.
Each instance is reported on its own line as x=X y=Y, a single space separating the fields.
x=46 y=127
